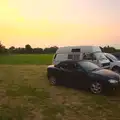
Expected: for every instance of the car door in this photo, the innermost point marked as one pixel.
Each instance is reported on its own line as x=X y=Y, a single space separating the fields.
x=71 y=74
x=79 y=77
x=64 y=73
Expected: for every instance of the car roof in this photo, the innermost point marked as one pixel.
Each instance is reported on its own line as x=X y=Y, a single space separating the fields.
x=72 y=61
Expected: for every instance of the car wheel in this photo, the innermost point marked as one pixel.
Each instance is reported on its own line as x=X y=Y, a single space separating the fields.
x=52 y=80
x=96 y=88
x=116 y=69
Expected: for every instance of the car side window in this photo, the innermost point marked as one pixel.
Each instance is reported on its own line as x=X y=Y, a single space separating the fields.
x=78 y=67
x=63 y=65
x=67 y=66
x=71 y=66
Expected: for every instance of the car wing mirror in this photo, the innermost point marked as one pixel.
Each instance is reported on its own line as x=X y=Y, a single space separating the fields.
x=61 y=68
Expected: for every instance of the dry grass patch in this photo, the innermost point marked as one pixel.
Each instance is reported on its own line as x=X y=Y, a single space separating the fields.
x=25 y=94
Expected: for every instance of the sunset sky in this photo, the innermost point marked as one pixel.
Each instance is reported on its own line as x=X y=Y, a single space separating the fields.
x=44 y=23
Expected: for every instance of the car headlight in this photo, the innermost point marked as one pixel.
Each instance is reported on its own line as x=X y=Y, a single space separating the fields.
x=113 y=81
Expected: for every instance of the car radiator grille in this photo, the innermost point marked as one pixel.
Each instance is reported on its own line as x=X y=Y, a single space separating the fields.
x=106 y=64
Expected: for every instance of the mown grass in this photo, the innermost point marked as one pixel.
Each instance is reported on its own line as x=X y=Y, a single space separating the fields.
x=39 y=59
x=25 y=94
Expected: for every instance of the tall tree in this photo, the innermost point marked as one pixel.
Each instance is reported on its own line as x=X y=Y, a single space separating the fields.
x=28 y=48
x=12 y=49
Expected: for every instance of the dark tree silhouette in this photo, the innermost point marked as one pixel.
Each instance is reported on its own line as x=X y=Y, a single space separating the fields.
x=109 y=49
x=2 y=48
x=28 y=48
x=51 y=50
x=12 y=48
x=38 y=51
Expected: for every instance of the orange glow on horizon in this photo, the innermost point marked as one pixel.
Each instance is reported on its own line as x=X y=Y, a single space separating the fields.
x=62 y=22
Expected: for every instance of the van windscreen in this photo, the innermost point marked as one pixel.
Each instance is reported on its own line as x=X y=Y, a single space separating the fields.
x=55 y=56
x=100 y=56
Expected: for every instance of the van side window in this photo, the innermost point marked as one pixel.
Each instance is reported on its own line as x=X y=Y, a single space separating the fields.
x=75 y=50
x=77 y=57
x=87 y=56
x=70 y=56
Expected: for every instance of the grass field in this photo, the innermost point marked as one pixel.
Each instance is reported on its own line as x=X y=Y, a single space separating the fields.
x=39 y=59
x=25 y=94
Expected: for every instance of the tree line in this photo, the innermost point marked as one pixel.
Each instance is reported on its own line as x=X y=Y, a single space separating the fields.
x=29 y=50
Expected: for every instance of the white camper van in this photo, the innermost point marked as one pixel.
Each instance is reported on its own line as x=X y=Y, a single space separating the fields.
x=88 y=53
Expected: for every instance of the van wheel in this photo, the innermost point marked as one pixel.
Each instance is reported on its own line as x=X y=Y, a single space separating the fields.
x=116 y=69
x=96 y=88
x=52 y=80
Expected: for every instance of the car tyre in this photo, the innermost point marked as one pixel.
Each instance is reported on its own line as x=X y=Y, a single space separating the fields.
x=96 y=88
x=52 y=80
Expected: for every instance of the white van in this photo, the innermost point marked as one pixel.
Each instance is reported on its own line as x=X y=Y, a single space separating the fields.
x=89 y=53
x=114 y=62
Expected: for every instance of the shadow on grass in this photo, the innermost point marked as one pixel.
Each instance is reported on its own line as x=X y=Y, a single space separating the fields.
x=110 y=93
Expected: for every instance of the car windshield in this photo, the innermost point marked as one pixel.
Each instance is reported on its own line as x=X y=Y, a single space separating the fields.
x=100 y=56
x=110 y=56
x=88 y=66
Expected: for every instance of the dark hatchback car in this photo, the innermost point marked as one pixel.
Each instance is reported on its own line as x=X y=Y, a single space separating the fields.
x=83 y=74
